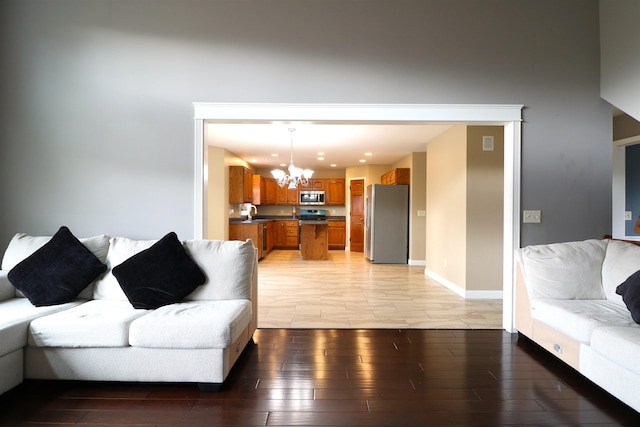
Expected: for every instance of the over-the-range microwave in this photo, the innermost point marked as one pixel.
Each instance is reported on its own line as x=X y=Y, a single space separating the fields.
x=311 y=197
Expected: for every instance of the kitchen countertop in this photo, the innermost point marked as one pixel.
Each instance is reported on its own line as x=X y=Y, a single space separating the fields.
x=263 y=220
x=313 y=222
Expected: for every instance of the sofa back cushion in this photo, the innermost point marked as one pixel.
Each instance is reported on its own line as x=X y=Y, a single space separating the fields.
x=22 y=246
x=121 y=249
x=621 y=260
x=570 y=270
x=228 y=266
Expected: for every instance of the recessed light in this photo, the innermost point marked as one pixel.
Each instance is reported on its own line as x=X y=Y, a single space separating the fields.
x=320 y=153
x=368 y=154
x=283 y=164
x=275 y=155
x=362 y=161
x=320 y=158
x=333 y=165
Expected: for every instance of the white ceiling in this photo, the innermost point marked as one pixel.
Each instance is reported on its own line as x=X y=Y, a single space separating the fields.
x=342 y=144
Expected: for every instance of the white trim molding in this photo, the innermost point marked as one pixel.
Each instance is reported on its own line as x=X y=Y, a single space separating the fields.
x=507 y=115
x=487 y=294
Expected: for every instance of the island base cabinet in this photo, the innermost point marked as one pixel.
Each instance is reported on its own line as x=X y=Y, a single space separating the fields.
x=314 y=241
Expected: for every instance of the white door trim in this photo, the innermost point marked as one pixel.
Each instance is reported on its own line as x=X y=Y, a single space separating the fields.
x=510 y=116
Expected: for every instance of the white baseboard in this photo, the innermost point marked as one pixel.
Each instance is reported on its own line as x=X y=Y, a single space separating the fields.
x=488 y=294
x=417 y=262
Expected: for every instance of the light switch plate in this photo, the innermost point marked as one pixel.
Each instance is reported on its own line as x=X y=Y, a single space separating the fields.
x=531 y=217
x=628 y=216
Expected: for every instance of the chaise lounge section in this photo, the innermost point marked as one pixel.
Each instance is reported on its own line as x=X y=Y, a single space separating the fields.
x=115 y=330
x=578 y=300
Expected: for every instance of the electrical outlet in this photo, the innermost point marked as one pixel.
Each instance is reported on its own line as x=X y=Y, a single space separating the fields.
x=422 y=213
x=628 y=216
x=531 y=217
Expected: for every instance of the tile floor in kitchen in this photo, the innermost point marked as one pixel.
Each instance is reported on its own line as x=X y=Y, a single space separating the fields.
x=348 y=292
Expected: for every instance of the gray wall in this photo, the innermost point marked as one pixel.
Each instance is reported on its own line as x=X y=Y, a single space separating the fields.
x=96 y=123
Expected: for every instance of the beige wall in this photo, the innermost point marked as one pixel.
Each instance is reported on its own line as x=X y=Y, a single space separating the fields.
x=625 y=126
x=418 y=224
x=446 y=206
x=464 y=202
x=217 y=164
x=485 y=194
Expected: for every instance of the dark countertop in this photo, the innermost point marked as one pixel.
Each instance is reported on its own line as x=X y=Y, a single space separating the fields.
x=313 y=222
x=264 y=219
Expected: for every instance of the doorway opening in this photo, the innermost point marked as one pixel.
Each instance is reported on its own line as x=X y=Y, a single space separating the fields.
x=508 y=116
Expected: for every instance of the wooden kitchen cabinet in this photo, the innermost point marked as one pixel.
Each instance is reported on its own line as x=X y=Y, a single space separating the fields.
x=396 y=176
x=337 y=234
x=240 y=185
x=287 y=234
x=335 y=192
x=271 y=235
x=259 y=190
x=264 y=190
x=285 y=196
x=248 y=231
x=270 y=188
x=316 y=184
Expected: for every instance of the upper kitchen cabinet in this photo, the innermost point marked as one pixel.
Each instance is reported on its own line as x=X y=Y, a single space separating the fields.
x=334 y=191
x=316 y=184
x=285 y=196
x=264 y=190
x=396 y=176
x=240 y=185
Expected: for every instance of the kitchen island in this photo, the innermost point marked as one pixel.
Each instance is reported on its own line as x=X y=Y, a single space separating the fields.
x=314 y=239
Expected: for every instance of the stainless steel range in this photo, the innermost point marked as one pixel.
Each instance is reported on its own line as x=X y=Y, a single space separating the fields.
x=313 y=214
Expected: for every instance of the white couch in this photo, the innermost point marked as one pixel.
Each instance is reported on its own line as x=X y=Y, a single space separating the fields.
x=100 y=336
x=566 y=301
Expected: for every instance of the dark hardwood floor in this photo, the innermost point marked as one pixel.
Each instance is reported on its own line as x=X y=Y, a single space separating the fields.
x=345 y=378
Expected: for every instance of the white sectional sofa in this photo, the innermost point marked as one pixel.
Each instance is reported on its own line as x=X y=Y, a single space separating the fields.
x=567 y=302
x=99 y=335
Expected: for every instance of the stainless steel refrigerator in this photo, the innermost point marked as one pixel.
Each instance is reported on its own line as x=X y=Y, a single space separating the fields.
x=386 y=226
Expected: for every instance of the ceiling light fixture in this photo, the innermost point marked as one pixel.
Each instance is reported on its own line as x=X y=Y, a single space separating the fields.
x=296 y=175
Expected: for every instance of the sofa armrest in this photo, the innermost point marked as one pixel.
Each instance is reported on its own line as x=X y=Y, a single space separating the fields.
x=7 y=291
x=254 y=296
x=524 y=321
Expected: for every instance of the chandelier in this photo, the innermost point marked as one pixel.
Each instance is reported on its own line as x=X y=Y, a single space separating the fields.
x=296 y=175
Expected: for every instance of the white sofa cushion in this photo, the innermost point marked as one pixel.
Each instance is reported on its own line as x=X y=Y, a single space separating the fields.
x=570 y=270
x=228 y=266
x=579 y=318
x=22 y=246
x=15 y=316
x=620 y=344
x=193 y=324
x=121 y=249
x=621 y=261
x=97 y=323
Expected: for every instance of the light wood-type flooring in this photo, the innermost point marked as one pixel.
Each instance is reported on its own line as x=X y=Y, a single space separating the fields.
x=348 y=292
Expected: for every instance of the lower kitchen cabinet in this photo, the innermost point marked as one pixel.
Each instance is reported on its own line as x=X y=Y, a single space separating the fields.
x=337 y=234
x=254 y=232
x=287 y=234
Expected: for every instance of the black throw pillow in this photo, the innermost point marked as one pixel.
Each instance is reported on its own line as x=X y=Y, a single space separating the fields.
x=630 y=291
x=58 y=271
x=161 y=275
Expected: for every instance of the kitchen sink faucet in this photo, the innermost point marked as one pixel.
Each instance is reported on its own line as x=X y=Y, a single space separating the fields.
x=246 y=210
